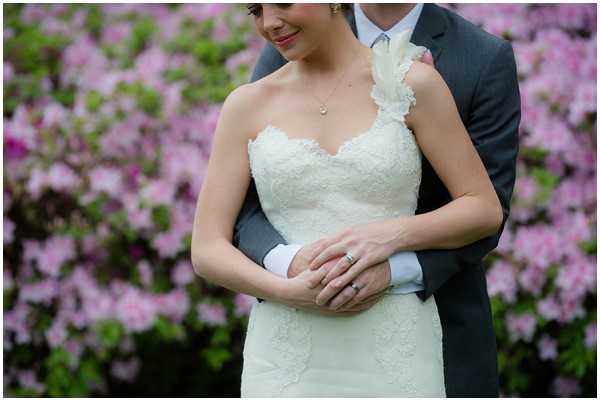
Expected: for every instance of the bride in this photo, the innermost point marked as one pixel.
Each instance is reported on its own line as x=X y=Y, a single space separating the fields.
x=334 y=141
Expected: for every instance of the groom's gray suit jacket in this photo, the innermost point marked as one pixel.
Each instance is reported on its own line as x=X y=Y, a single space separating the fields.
x=480 y=71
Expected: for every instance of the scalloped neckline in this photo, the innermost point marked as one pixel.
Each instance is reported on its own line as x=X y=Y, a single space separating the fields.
x=313 y=144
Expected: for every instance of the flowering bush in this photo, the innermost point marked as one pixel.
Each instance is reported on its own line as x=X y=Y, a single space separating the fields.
x=542 y=276
x=109 y=112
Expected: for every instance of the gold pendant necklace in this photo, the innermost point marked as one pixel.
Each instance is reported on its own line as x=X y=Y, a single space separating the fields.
x=323 y=106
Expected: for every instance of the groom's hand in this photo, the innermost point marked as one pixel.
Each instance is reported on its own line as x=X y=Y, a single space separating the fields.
x=301 y=262
x=373 y=282
x=427 y=58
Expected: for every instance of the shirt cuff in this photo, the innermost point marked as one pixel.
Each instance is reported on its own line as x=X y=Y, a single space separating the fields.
x=279 y=259
x=405 y=269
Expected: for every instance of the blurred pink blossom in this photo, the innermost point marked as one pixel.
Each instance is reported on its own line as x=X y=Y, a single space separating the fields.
x=538 y=245
x=56 y=251
x=212 y=314
x=145 y=272
x=243 y=304
x=174 y=304
x=548 y=308
x=563 y=386
x=106 y=179
x=547 y=347
x=521 y=327
x=183 y=273
x=126 y=371
x=590 y=335
x=115 y=33
x=42 y=292
x=28 y=379
x=9 y=229
x=532 y=279
x=501 y=281
x=135 y=310
x=57 y=333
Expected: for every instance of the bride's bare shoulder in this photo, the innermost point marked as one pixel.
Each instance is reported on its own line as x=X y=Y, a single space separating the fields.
x=248 y=104
x=423 y=79
x=431 y=92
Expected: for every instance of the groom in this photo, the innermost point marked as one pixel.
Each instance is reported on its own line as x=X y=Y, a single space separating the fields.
x=481 y=73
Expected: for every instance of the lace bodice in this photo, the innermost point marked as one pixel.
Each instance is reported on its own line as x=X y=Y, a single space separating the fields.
x=307 y=193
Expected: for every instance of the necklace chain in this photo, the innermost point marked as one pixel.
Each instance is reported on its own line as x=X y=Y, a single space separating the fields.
x=322 y=103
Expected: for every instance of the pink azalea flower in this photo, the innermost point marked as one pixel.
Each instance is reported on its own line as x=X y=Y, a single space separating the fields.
x=9 y=229
x=538 y=245
x=174 y=304
x=126 y=371
x=28 y=379
x=115 y=33
x=62 y=178
x=532 y=279
x=8 y=282
x=54 y=115
x=145 y=272
x=243 y=304
x=168 y=244
x=547 y=347
x=212 y=314
x=158 y=192
x=41 y=292
x=183 y=273
x=501 y=281
x=590 y=335
x=135 y=310
x=57 y=333
x=548 y=308
x=8 y=72
x=563 y=386
x=104 y=179
x=521 y=327
x=57 y=250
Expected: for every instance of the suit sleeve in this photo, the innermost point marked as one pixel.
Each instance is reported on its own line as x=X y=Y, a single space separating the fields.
x=493 y=126
x=253 y=234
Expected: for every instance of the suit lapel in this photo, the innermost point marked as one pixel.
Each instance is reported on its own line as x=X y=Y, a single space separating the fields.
x=352 y=21
x=430 y=29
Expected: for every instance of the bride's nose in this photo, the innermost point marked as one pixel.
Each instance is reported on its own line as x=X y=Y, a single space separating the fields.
x=271 y=19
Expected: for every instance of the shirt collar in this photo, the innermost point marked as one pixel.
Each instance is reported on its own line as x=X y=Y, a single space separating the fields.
x=367 y=31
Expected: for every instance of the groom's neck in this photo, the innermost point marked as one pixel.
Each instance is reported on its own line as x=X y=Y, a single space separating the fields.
x=385 y=15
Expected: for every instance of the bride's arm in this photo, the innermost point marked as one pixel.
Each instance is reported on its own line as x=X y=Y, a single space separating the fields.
x=221 y=196
x=475 y=211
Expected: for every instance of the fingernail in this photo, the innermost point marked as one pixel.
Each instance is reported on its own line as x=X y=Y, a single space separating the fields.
x=324 y=281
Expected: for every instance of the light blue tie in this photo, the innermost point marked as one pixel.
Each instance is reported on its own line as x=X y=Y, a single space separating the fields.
x=382 y=36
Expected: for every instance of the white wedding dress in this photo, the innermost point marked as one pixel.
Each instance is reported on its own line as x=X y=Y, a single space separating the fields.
x=393 y=349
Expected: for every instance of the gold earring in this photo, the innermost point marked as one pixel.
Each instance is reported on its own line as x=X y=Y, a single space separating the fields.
x=335 y=7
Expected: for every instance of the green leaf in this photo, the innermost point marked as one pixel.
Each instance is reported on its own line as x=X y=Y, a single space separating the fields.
x=109 y=332
x=161 y=216
x=207 y=51
x=141 y=33
x=546 y=181
x=93 y=101
x=589 y=247
x=149 y=101
x=216 y=357
x=220 y=336
x=168 y=330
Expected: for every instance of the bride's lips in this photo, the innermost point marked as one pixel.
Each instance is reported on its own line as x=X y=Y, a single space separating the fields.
x=286 y=39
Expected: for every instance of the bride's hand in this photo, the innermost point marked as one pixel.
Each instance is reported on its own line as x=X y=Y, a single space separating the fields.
x=368 y=244
x=300 y=293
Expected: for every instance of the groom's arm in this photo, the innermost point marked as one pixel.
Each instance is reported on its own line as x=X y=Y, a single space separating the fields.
x=253 y=234
x=493 y=126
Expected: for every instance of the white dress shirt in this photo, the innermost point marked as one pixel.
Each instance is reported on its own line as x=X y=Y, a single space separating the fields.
x=406 y=272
